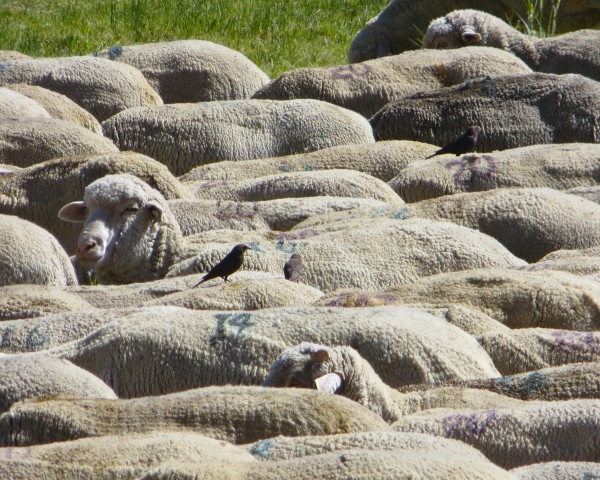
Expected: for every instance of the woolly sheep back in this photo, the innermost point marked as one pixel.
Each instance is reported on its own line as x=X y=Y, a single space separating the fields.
x=189 y=71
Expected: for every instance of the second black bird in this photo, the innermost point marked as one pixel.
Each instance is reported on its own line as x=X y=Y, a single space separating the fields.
x=230 y=264
x=461 y=145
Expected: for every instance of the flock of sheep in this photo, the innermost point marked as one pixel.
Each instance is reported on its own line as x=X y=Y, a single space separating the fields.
x=444 y=321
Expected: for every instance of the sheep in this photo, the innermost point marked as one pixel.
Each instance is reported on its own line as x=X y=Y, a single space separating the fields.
x=341 y=370
x=98 y=85
x=15 y=104
x=513 y=111
x=547 y=220
x=280 y=214
x=189 y=71
x=31 y=255
x=585 y=261
x=129 y=234
x=568 y=53
x=17 y=302
x=335 y=256
x=538 y=431
x=233 y=414
x=557 y=471
x=183 y=136
x=381 y=160
x=368 y=86
x=558 y=166
x=12 y=55
x=137 y=354
x=340 y=465
x=164 y=251
x=115 y=456
x=591 y=193
x=26 y=141
x=59 y=106
x=38 y=192
x=518 y=299
x=397 y=27
x=566 y=382
x=285 y=448
x=32 y=376
x=527 y=349
x=336 y=183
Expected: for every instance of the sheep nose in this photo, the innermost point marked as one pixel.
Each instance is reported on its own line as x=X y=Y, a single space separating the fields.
x=89 y=248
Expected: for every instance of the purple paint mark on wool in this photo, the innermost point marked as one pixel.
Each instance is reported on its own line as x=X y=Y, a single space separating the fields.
x=473 y=172
x=362 y=299
x=576 y=342
x=358 y=70
x=302 y=234
x=471 y=425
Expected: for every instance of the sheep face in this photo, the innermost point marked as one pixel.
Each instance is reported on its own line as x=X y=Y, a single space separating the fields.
x=123 y=218
x=305 y=366
x=463 y=28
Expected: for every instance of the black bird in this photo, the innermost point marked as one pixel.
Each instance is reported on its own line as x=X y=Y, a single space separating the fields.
x=293 y=268
x=461 y=145
x=228 y=266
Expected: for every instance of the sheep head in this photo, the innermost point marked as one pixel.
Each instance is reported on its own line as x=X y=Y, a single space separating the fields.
x=307 y=365
x=462 y=28
x=128 y=233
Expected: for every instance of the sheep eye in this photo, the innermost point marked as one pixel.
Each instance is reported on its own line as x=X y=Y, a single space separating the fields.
x=131 y=209
x=442 y=44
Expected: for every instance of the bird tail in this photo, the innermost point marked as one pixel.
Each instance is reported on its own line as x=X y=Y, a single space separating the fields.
x=436 y=153
x=201 y=281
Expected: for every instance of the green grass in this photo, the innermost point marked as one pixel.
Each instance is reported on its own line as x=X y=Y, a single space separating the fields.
x=541 y=18
x=278 y=35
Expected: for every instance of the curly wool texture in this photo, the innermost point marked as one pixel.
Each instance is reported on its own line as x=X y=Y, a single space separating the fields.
x=26 y=141
x=529 y=222
x=17 y=302
x=367 y=87
x=33 y=376
x=100 y=86
x=280 y=214
x=31 y=255
x=399 y=25
x=527 y=349
x=513 y=111
x=183 y=136
x=381 y=160
x=518 y=299
x=286 y=448
x=566 y=382
x=59 y=106
x=189 y=71
x=585 y=262
x=38 y=192
x=234 y=414
x=15 y=104
x=360 y=383
x=341 y=465
x=540 y=431
x=367 y=252
x=557 y=166
x=557 y=471
x=568 y=53
x=115 y=456
x=138 y=354
x=335 y=183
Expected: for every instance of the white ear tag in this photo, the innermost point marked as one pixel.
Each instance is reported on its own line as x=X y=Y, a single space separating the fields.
x=329 y=383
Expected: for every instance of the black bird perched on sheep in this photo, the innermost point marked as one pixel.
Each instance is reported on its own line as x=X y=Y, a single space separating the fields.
x=461 y=145
x=293 y=268
x=230 y=264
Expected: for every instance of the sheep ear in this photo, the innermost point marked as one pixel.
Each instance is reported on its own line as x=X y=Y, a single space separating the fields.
x=320 y=356
x=470 y=36
x=155 y=208
x=329 y=383
x=73 y=212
